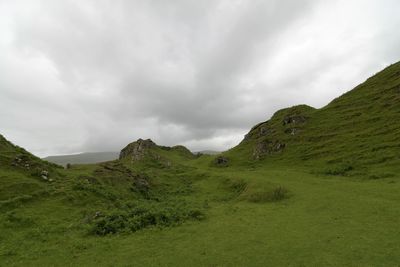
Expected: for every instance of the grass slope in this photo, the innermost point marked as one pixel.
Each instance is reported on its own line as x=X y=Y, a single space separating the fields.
x=326 y=194
x=356 y=133
x=21 y=174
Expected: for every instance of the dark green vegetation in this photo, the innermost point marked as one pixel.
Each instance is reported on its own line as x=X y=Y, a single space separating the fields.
x=306 y=188
x=82 y=158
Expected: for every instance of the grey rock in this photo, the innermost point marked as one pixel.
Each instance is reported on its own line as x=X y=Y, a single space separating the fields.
x=266 y=148
x=295 y=119
x=221 y=161
x=264 y=131
x=292 y=131
x=137 y=150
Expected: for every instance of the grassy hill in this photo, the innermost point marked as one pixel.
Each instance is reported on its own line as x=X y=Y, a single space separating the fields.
x=207 y=152
x=356 y=133
x=309 y=187
x=22 y=175
x=82 y=158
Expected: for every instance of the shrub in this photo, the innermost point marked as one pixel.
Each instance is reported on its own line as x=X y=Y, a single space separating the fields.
x=141 y=217
x=278 y=193
x=339 y=170
x=272 y=195
x=238 y=186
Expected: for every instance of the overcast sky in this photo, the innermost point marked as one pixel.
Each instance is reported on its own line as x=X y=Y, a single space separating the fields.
x=95 y=75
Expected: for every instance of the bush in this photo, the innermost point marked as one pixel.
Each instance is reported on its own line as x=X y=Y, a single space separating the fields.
x=339 y=170
x=254 y=191
x=238 y=186
x=138 y=218
x=276 y=194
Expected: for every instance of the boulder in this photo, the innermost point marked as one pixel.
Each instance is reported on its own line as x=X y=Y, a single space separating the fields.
x=221 y=161
x=45 y=175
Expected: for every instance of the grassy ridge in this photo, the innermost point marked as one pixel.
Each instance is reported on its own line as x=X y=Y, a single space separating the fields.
x=357 y=132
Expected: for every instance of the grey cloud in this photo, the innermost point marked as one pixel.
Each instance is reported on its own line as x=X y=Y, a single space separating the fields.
x=94 y=75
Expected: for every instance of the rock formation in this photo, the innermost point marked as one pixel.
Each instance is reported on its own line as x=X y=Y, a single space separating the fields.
x=137 y=150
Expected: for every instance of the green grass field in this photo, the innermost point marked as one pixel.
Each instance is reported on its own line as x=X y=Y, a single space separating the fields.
x=324 y=221
x=307 y=188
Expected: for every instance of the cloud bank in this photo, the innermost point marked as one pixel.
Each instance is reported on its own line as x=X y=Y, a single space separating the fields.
x=94 y=75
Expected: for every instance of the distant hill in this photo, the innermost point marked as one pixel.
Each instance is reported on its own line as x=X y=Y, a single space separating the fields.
x=208 y=152
x=97 y=157
x=83 y=158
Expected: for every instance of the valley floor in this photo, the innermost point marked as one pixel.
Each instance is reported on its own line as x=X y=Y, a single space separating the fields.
x=325 y=221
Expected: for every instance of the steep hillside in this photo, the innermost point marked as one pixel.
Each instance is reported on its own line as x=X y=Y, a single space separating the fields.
x=83 y=158
x=354 y=132
x=23 y=175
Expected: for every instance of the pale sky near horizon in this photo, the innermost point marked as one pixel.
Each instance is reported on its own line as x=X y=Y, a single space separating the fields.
x=94 y=75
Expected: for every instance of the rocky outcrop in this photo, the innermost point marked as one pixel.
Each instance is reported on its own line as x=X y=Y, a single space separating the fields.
x=266 y=148
x=260 y=130
x=221 y=161
x=292 y=131
x=137 y=150
x=295 y=119
x=147 y=149
x=265 y=131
